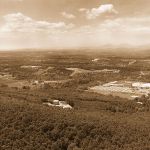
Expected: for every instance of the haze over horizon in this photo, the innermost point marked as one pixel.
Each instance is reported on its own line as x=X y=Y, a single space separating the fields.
x=74 y=24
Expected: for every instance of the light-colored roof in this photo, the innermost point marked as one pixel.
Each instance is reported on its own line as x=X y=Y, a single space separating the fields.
x=141 y=84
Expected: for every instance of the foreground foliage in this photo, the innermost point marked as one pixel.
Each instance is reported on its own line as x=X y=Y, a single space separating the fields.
x=30 y=126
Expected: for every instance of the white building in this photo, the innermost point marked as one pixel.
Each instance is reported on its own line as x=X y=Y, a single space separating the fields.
x=141 y=85
x=60 y=104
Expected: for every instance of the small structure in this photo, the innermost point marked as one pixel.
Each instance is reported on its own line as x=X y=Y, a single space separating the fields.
x=95 y=60
x=56 y=102
x=139 y=103
x=60 y=104
x=135 y=96
x=36 y=82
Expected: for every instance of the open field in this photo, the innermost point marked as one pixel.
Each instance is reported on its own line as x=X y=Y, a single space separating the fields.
x=95 y=121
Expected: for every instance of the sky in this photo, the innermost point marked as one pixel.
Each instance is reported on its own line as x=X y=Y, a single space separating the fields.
x=64 y=24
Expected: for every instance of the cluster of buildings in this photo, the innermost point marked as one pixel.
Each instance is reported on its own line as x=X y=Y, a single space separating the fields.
x=60 y=104
x=126 y=89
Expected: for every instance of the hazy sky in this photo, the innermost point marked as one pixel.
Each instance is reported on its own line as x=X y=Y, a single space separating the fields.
x=73 y=23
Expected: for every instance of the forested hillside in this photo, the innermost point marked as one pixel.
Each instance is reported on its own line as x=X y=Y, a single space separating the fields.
x=31 y=126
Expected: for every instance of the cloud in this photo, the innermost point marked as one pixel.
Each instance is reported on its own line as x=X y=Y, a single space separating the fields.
x=133 y=31
x=128 y=25
x=129 y=31
x=68 y=15
x=120 y=32
x=96 y=12
x=18 y=22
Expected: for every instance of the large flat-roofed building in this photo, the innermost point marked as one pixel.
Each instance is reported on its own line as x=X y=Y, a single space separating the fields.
x=125 y=89
x=141 y=85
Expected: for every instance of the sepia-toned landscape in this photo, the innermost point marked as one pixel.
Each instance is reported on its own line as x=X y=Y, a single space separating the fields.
x=74 y=75
x=62 y=100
